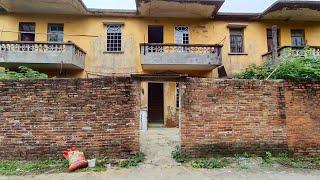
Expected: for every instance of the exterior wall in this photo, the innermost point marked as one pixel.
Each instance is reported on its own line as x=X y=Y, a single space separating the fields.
x=41 y=118
x=170 y=109
x=234 y=116
x=303 y=117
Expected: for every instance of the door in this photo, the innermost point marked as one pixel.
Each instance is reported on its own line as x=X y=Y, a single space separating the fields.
x=155 y=103
x=181 y=37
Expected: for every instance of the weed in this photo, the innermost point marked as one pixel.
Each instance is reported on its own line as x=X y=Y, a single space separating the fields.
x=298 y=162
x=215 y=162
x=178 y=157
x=267 y=158
x=132 y=162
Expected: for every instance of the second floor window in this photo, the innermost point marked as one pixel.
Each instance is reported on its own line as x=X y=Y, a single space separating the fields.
x=297 y=37
x=55 y=32
x=236 y=40
x=182 y=35
x=114 y=38
x=27 y=31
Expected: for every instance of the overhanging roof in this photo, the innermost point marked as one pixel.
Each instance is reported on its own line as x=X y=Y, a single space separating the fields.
x=178 y=8
x=44 y=6
x=293 y=10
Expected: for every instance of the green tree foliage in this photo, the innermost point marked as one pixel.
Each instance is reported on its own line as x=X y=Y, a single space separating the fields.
x=290 y=67
x=22 y=73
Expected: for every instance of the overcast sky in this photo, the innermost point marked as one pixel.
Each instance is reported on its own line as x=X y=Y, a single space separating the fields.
x=229 y=5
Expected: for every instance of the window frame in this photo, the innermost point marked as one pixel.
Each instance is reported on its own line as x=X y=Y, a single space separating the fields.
x=114 y=40
x=185 y=40
x=55 y=32
x=21 y=33
x=232 y=36
x=303 y=36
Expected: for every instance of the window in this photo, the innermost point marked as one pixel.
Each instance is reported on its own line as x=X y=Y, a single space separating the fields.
x=27 y=31
x=177 y=96
x=269 y=39
x=297 y=37
x=55 y=32
x=182 y=35
x=114 y=38
x=236 y=40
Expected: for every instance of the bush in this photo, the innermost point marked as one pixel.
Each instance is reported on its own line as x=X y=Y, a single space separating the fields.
x=22 y=73
x=289 y=67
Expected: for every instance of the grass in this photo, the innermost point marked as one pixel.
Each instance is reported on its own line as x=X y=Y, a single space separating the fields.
x=20 y=168
x=32 y=167
x=133 y=161
x=211 y=163
x=298 y=162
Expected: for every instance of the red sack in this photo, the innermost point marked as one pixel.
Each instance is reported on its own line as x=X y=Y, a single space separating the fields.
x=76 y=159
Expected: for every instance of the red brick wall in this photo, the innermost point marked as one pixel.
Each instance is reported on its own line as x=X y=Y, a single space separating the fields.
x=41 y=118
x=234 y=116
x=303 y=117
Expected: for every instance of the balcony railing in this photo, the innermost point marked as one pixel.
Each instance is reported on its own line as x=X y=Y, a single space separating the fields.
x=41 y=53
x=295 y=50
x=186 y=56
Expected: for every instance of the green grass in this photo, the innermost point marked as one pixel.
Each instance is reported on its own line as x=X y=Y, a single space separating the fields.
x=211 y=163
x=20 y=168
x=298 y=162
x=32 y=167
x=133 y=161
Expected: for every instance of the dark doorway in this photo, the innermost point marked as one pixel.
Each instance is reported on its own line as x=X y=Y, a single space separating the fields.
x=155 y=103
x=155 y=34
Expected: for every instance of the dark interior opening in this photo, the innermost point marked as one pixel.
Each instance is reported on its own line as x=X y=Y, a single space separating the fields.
x=155 y=34
x=155 y=103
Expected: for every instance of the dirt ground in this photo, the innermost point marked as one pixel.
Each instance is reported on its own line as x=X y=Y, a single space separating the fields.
x=158 y=144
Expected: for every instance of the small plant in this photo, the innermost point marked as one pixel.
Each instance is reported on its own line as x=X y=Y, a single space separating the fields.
x=212 y=163
x=178 y=157
x=298 y=162
x=267 y=158
x=133 y=161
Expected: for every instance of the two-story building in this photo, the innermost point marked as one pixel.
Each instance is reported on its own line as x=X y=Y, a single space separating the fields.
x=162 y=39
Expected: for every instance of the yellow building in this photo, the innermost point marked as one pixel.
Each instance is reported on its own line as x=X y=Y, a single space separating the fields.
x=159 y=42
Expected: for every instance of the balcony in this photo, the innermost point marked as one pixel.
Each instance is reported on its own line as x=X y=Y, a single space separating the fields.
x=169 y=57
x=294 y=50
x=41 y=55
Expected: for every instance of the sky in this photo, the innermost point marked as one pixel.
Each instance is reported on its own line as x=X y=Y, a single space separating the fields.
x=250 y=6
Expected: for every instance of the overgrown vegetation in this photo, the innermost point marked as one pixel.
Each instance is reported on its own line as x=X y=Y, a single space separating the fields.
x=32 y=167
x=133 y=161
x=178 y=157
x=298 y=162
x=211 y=163
x=22 y=73
x=289 y=67
x=19 y=168
x=267 y=158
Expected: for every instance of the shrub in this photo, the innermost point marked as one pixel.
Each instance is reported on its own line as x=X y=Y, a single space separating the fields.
x=289 y=67
x=22 y=73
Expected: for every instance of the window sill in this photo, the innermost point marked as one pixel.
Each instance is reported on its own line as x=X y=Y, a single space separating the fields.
x=238 y=54
x=113 y=52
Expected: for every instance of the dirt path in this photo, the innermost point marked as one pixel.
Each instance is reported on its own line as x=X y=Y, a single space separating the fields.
x=158 y=144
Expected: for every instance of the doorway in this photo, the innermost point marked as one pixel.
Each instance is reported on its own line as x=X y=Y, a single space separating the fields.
x=155 y=34
x=155 y=104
